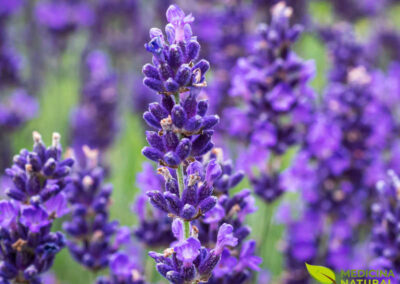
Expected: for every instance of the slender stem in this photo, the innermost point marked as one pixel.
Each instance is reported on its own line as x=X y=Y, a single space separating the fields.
x=180 y=179
x=267 y=226
x=187 y=229
x=181 y=187
x=177 y=98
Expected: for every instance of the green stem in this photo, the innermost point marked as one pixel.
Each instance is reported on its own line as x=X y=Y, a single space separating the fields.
x=187 y=229
x=180 y=179
x=267 y=226
x=181 y=187
x=177 y=98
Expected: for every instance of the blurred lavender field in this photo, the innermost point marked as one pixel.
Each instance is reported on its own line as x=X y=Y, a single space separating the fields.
x=307 y=109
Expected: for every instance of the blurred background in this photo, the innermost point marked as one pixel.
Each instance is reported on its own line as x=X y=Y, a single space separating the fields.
x=51 y=51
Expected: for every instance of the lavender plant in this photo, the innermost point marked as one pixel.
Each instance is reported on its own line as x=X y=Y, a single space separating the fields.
x=62 y=18
x=94 y=120
x=342 y=156
x=36 y=198
x=272 y=84
x=89 y=229
x=181 y=146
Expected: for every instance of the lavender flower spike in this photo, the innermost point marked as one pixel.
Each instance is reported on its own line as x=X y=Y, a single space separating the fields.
x=37 y=198
x=89 y=228
x=39 y=175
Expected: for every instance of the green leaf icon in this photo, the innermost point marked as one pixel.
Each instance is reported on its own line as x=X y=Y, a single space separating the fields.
x=322 y=274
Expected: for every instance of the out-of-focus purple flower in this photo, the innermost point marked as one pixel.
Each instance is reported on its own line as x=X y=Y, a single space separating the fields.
x=63 y=17
x=16 y=109
x=117 y=25
x=353 y=10
x=8 y=7
x=123 y=270
x=94 y=121
x=272 y=84
x=89 y=229
x=385 y=230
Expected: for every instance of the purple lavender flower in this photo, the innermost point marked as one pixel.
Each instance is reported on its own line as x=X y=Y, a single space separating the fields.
x=94 y=121
x=117 y=24
x=190 y=166
x=174 y=57
x=342 y=155
x=190 y=261
x=123 y=271
x=154 y=228
x=385 y=229
x=39 y=175
x=61 y=18
x=224 y=26
x=89 y=229
x=16 y=109
x=352 y=10
x=273 y=86
x=39 y=179
x=9 y=7
x=196 y=197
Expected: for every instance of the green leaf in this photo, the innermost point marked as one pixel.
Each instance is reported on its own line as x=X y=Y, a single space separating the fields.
x=322 y=274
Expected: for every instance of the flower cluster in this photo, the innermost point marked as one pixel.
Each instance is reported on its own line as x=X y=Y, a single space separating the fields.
x=341 y=158
x=385 y=229
x=89 y=229
x=273 y=85
x=174 y=67
x=39 y=175
x=16 y=106
x=124 y=270
x=196 y=197
x=154 y=228
x=16 y=109
x=224 y=26
x=94 y=121
x=61 y=18
x=39 y=179
x=187 y=260
x=117 y=24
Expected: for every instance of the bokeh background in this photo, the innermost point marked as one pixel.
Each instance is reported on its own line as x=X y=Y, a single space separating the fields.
x=49 y=54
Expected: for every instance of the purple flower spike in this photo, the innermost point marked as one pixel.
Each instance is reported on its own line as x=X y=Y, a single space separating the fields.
x=92 y=237
x=206 y=220
x=272 y=84
x=39 y=179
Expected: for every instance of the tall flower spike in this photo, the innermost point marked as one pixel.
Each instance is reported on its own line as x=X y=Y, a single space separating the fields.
x=89 y=229
x=181 y=145
x=37 y=197
x=342 y=155
x=94 y=121
x=273 y=84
